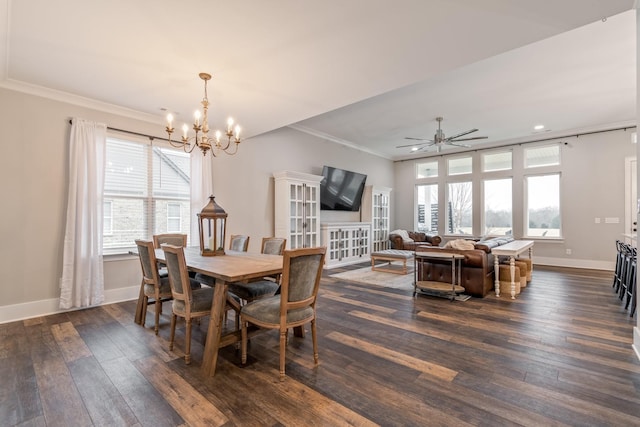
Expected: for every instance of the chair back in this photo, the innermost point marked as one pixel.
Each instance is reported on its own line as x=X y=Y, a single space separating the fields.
x=239 y=243
x=273 y=245
x=302 y=270
x=178 y=276
x=148 y=262
x=174 y=239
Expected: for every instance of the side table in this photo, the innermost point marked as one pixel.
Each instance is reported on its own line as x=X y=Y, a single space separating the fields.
x=452 y=288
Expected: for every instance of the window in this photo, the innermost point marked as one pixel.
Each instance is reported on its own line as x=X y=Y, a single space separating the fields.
x=427 y=196
x=500 y=161
x=497 y=207
x=427 y=170
x=174 y=217
x=460 y=208
x=548 y=155
x=148 y=188
x=108 y=218
x=459 y=166
x=543 y=206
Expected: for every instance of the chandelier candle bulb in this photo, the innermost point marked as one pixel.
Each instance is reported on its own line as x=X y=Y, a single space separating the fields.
x=185 y=131
x=237 y=132
x=169 y=121
x=229 y=124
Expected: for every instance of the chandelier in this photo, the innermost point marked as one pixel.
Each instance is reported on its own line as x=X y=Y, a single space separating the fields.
x=201 y=138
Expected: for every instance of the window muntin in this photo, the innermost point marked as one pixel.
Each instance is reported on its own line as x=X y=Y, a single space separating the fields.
x=547 y=155
x=427 y=170
x=427 y=214
x=460 y=208
x=543 y=206
x=459 y=166
x=141 y=181
x=496 y=161
x=498 y=216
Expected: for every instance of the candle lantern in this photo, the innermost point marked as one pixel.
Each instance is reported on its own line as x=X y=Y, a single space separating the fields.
x=212 y=224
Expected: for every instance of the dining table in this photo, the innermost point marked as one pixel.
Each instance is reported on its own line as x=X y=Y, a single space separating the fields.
x=233 y=266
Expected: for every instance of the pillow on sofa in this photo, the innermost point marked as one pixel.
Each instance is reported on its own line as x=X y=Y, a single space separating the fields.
x=403 y=234
x=460 y=244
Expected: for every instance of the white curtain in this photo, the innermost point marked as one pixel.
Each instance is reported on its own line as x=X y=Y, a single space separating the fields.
x=201 y=189
x=82 y=282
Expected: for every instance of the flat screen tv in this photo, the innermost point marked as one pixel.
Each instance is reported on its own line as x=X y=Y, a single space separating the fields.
x=341 y=190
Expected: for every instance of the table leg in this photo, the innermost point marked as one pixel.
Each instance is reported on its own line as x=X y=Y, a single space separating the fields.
x=298 y=331
x=512 y=265
x=138 y=316
x=496 y=268
x=212 y=344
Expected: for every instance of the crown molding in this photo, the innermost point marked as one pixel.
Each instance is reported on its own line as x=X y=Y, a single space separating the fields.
x=80 y=101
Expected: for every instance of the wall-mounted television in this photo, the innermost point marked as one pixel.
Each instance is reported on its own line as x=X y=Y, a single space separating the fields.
x=341 y=190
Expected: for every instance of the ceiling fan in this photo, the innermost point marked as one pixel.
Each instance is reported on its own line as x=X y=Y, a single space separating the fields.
x=439 y=139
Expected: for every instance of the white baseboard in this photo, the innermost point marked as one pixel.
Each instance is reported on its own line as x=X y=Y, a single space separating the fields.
x=636 y=341
x=575 y=263
x=28 y=310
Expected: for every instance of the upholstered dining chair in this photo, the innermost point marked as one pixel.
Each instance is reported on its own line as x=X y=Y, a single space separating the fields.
x=188 y=303
x=296 y=304
x=175 y=239
x=171 y=239
x=155 y=287
x=239 y=242
x=267 y=286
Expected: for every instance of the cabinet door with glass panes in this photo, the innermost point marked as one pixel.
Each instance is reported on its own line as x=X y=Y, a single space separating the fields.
x=297 y=208
x=376 y=210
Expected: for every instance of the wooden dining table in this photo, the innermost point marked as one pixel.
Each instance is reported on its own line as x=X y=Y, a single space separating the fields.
x=231 y=267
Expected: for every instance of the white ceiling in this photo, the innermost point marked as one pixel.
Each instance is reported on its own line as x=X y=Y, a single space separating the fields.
x=365 y=73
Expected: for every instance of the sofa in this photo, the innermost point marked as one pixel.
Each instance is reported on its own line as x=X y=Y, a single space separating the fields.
x=409 y=240
x=477 y=275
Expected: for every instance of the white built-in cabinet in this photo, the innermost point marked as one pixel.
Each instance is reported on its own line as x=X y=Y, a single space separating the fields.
x=297 y=208
x=375 y=209
x=346 y=242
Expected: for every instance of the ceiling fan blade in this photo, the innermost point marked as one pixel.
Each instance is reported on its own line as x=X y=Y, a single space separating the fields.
x=458 y=145
x=410 y=145
x=461 y=134
x=417 y=139
x=470 y=139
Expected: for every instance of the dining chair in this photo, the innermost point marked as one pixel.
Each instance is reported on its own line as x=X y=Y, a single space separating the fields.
x=188 y=303
x=154 y=286
x=171 y=239
x=254 y=289
x=296 y=304
x=175 y=239
x=239 y=242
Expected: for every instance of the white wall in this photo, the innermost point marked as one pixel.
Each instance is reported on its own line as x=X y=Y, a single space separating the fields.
x=33 y=173
x=592 y=186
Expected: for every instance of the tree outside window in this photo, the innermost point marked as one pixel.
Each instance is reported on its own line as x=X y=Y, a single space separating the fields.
x=460 y=208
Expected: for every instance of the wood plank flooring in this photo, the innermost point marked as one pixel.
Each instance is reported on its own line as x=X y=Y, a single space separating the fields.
x=558 y=355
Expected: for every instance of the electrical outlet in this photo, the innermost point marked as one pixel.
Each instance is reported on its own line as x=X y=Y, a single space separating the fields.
x=568 y=251
x=597 y=220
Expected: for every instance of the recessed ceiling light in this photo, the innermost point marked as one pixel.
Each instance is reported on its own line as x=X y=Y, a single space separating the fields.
x=538 y=127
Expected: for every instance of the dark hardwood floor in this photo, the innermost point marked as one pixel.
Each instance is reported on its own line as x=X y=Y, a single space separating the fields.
x=558 y=355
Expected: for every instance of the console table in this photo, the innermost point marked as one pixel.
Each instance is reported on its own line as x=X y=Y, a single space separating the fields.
x=452 y=288
x=512 y=250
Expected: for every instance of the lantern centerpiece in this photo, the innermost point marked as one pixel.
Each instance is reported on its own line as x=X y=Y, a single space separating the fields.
x=212 y=224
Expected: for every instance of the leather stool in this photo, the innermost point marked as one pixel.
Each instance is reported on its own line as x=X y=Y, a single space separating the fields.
x=505 y=279
x=520 y=264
